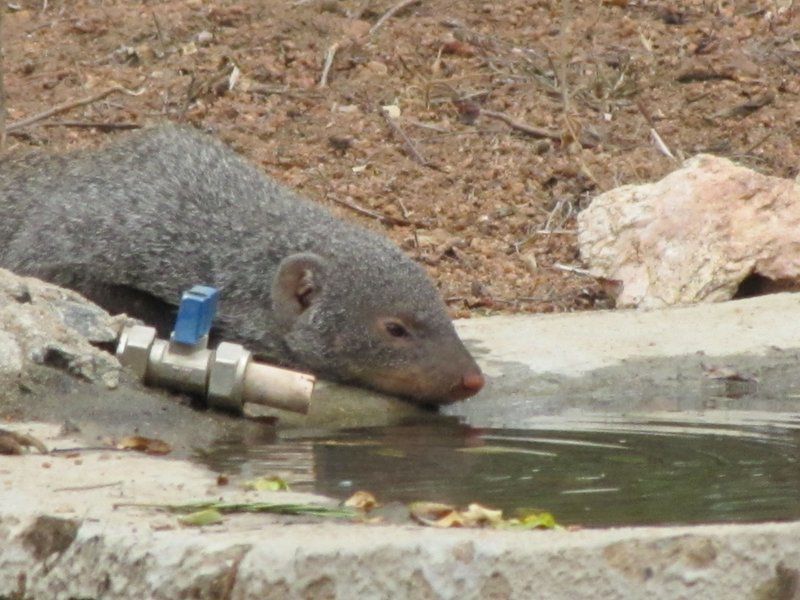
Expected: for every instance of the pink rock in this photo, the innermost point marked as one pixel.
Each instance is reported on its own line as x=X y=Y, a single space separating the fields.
x=695 y=235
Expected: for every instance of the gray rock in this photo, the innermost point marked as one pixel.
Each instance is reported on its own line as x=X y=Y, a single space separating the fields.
x=43 y=324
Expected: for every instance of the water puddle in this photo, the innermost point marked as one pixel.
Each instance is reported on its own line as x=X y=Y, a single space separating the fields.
x=592 y=470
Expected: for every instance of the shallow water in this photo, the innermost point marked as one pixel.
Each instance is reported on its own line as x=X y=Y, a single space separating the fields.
x=592 y=470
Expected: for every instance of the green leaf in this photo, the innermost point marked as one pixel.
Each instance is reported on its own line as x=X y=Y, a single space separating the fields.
x=208 y=516
x=316 y=510
x=267 y=484
x=541 y=520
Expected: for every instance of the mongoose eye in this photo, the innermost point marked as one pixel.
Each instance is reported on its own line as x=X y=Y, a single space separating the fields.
x=395 y=329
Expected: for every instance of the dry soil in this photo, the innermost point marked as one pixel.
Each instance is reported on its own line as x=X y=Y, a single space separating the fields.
x=509 y=116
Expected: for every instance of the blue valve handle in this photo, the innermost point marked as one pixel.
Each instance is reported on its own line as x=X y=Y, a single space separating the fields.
x=195 y=314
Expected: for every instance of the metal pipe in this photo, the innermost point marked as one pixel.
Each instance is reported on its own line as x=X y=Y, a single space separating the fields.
x=228 y=377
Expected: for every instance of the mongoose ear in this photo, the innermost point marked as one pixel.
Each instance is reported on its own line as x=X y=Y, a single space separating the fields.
x=297 y=284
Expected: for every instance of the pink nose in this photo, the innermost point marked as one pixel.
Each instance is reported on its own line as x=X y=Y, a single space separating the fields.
x=473 y=381
x=470 y=384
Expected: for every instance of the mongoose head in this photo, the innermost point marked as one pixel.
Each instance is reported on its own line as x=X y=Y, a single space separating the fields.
x=377 y=322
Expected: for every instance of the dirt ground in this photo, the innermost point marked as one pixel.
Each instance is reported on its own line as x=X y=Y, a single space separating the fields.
x=509 y=116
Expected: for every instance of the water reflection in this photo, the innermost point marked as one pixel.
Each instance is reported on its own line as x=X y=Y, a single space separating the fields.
x=602 y=470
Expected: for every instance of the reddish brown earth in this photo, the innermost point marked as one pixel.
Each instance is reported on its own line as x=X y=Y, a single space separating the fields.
x=489 y=208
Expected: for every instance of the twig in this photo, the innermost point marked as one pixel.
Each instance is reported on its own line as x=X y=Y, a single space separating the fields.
x=411 y=149
x=555 y=232
x=537 y=132
x=422 y=125
x=574 y=270
x=61 y=108
x=160 y=33
x=403 y=208
x=268 y=90
x=90 y=125
x=323 y=80
x=82 y=488
x=550 y=298
x=661 y=145
x=759 y=142
x=86 y=449
x=390 y=13
x=657 y=139
x=373 y=214
x=558 y=210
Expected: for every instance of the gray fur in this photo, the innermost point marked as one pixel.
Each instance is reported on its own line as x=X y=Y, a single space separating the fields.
x=169 y=207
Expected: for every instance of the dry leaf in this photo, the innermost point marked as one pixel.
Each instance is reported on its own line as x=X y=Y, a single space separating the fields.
x=477 y=514
x=144 y=444
x=13 y=443
x=362 y=501
x=434 y=514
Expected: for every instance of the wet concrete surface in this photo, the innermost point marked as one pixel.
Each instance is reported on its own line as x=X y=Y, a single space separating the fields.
x=100 y=415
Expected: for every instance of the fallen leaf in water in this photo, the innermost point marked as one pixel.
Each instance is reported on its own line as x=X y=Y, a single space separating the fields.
x=434 y=514
x=144 y=444
x=453 y=519
x=267 y=484
x=540 y=520
x=477 y=514
x=362 y=501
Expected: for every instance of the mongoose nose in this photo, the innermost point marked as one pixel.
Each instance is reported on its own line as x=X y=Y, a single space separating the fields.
x=470 y=384
x=473 y=381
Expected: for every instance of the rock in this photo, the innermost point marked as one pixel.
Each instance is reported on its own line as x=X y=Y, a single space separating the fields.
x=43 y=324
x=694 y=236
x=205 y=37
x=11 y=361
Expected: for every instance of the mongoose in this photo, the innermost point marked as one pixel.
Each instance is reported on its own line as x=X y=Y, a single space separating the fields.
x=169 y=207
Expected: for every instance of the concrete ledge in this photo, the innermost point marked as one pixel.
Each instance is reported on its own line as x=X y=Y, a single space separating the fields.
x=635 y=361
x=329 y=561
x=576 y=343
x=62 y=537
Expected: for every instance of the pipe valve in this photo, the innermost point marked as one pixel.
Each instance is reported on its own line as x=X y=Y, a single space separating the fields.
x=227 y=376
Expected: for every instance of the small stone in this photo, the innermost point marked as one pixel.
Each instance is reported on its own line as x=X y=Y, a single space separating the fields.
x=392 y=111
x=110 y=379
x=377 y=68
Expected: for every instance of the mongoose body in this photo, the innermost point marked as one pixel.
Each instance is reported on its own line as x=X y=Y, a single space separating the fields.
x=169 y=207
